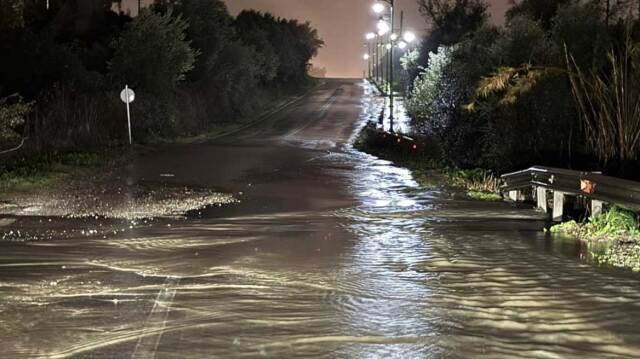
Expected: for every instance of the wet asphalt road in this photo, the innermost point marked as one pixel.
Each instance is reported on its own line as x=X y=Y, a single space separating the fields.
x=328 y=253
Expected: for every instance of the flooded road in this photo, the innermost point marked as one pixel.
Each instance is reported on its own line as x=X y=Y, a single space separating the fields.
x=328 y=253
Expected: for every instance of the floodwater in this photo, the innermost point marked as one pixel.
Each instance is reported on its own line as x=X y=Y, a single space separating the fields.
x=329 y=253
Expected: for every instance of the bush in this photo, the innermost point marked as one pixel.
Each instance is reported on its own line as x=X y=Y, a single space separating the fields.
x=427 y=92
x=13 y=111
x=68 y=118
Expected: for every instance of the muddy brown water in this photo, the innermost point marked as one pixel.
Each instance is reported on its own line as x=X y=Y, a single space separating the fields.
x=330 y=253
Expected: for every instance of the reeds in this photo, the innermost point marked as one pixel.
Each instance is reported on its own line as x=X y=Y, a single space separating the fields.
x=609 y=103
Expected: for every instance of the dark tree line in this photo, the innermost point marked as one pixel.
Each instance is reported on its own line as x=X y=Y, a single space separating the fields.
x=192 y=64
x=507 y=97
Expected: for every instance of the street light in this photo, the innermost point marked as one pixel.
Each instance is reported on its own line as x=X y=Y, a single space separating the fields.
x=383 y=27
x=402 y=45
x=378 y=8
x=409 y=37
x=370 y=36
x=366 y=57
x=393 y=37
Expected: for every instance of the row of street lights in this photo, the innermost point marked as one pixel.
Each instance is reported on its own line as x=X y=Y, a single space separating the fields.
x=386 y=38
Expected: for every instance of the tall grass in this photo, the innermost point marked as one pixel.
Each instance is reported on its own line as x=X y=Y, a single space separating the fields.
x=477 y=180
x=609 y=103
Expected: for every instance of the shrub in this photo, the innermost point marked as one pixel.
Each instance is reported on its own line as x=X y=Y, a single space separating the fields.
x=13 y=111
x=426 y=93
x=68 y=118
x=615 y=221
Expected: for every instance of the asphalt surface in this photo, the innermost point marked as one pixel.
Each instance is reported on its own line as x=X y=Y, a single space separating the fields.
x=281 y=240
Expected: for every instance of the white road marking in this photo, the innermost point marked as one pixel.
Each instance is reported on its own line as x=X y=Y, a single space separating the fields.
x=156 y=321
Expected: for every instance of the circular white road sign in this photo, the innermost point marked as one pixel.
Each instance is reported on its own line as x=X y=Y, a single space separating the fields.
x=127 y=92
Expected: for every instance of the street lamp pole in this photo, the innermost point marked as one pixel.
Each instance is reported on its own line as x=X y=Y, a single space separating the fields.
x=370 y=57
x=377 y=59
x=391 y=3
x=401 y=40
x=383 y=63
x=379 y=8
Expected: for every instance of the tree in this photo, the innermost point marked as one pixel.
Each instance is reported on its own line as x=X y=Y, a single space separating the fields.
x=579 y=28
x=606 y=94
x=523 y=41
x=152 y=53
x=542 y=11
x=209 y=31
x=451 y=20
x=294 y=44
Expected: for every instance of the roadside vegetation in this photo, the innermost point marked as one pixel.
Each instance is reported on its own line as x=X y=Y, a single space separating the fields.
x=613 y=237
x=556 y=85
x=193 y=66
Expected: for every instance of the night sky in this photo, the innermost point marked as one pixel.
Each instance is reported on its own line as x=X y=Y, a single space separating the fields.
x=342 y=25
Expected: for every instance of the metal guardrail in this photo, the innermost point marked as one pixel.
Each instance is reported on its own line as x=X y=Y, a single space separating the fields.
x=588 y=184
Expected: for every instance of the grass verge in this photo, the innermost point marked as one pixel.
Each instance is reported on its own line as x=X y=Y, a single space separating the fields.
x=617 y=229
x=27 y=172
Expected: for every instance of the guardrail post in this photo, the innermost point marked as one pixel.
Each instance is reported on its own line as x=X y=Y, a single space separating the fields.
x=541 y=198
x=514 y=195
x=596 y=207
x=558 y=206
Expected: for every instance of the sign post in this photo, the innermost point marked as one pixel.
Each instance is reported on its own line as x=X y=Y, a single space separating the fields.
x=128 y=96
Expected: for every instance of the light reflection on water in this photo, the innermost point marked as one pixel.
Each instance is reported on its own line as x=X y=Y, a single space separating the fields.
x=403 y=273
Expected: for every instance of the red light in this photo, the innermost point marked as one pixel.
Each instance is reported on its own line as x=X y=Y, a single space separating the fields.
x=399 y=140
x=415 y=147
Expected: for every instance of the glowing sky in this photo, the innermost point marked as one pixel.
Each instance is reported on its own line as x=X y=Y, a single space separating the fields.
x=342 y=25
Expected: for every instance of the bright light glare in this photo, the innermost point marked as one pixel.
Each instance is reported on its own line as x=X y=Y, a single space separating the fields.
x=402 y=45
x=394 y=37
x=370 y=36
x=365 y=57
x=383 y=27
x=409 y=36
x=388 y=46
x=378 y=8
